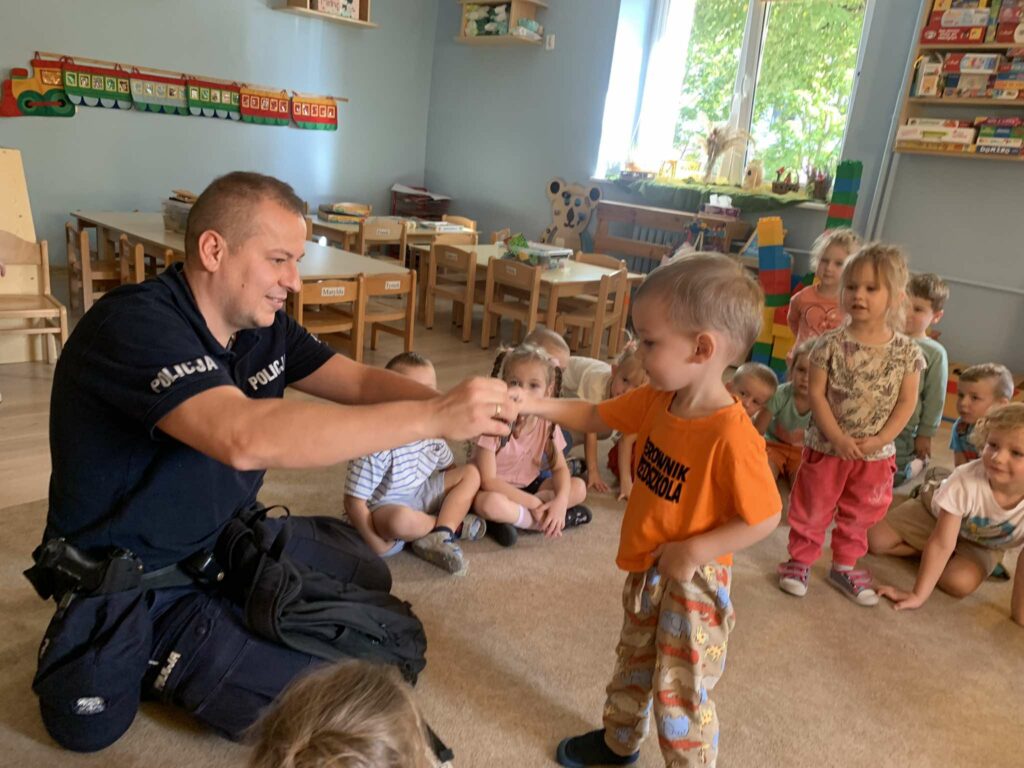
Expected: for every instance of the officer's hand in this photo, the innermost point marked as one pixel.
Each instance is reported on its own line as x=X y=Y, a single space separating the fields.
x=478 y=406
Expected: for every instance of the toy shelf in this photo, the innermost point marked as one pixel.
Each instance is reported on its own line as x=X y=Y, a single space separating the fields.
x=978 y=102
x=517 y=9
x=969 y=155
x=967 y=46
x=302 y=8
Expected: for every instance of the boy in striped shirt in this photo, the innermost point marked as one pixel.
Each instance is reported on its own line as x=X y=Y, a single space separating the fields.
x=415 y=493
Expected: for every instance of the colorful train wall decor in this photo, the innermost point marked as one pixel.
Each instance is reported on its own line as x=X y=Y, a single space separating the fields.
x=58 y=84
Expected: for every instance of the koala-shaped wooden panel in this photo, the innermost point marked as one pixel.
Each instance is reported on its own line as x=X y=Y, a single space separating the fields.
x=571 y=205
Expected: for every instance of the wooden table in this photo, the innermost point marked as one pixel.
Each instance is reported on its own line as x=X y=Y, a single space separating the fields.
x=346 y=232
x=321 y=262
x=571 y=279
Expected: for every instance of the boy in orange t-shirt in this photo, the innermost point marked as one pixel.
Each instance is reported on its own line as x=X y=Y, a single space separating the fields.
x=703 y=490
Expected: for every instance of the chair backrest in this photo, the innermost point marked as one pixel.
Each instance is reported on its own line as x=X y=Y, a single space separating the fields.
x=455 y=258
x=462 y=221
x=500 y=235
x=456 y=238
x=514 y=274
x=77 y=242
x=600 y=260
x=133 y=261
x=324 y=293
x=377 y=230
x=389 y=284
x=17 y=252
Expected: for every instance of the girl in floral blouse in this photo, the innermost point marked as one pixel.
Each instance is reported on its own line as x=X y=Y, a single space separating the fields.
x=863 y=390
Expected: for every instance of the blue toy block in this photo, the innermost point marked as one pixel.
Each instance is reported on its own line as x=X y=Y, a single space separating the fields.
x=846 y=185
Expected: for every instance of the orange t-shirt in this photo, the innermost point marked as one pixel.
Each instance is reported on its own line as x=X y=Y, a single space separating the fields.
x=692 y=475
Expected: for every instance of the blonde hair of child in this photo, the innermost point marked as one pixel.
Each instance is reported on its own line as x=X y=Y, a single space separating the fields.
x=709 y=291
x=930 y=287
x=800 y=350
x=984 y=371
x=1002 y=419
x=842 y=236
x=628 y=365
x=759 y=371
x=347 y=715
x=547 y=340
x=890 y=265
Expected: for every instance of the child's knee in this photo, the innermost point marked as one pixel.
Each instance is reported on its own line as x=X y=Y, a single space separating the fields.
x=488 y=503
x=961 y=577
x=577 y=490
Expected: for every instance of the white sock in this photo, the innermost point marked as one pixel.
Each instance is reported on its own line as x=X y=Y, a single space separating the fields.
x=525 y=519
x=839 y=567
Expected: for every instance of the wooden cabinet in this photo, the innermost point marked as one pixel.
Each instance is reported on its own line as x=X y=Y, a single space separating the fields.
x=516 y=10
x=310 y=8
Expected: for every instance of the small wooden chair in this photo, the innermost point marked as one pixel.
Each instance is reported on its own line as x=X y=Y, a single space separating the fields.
x=88 y=278
x=418 y=258
x=462 y=221
x=605 y=314
x=331 y=307
x=376 y=232
x=512 y=290
x=43 y=313
x=381 y=300
x=452 y=274
x=132 y=260
x=500 y=235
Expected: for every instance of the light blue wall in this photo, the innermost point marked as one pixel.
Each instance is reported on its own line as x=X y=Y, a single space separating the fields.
x=504 y=121
x=113 y=160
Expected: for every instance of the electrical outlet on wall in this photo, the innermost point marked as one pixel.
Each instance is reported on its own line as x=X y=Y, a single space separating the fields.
x=549 y=43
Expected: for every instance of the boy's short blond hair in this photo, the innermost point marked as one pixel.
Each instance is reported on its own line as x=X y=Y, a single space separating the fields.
x=1001 y=419
x=930 y=287
x=549 y=341
x=351 y=714
x=709 y=291
x=843 y=236
x=1000 y=374
x=890 y=265
x=758 y=371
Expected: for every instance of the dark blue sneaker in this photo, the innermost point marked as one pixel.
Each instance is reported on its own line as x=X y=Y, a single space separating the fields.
x=590 y=749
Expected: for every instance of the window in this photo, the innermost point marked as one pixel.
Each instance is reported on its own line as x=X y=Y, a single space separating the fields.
x=782 y=70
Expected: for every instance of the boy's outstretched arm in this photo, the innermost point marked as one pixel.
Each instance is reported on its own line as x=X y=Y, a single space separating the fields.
x=937 y=551
x=1017 y=601
x=578 y=415
x=680 y=559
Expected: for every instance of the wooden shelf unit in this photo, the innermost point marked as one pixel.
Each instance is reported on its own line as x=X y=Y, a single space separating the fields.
x=302 y=8
x=518 y=9
x=932 y=106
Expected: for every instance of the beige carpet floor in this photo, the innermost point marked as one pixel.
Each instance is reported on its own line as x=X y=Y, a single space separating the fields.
x=520 y=649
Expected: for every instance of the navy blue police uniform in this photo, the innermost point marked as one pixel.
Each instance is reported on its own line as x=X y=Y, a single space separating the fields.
x=119 y=482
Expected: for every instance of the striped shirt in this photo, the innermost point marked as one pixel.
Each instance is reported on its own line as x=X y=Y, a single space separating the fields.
x=396 y=473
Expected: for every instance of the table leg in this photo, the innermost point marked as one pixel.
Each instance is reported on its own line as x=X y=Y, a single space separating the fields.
x=552 y=313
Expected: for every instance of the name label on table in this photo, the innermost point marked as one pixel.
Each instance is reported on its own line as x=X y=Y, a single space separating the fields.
x=336 y=292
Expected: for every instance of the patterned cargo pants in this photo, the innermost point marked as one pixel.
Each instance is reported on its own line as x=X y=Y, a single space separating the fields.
x=673 y=645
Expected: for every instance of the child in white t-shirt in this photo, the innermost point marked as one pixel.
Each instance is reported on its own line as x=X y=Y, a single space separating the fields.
x=524 y=480
x=596 y=381
x=963 y=527
x=415 y=492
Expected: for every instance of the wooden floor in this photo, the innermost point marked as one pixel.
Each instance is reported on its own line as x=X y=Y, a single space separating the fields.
x=25 y=389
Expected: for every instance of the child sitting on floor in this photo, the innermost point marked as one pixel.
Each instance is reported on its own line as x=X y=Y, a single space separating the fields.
x=927 y=294
x=786 y=416
x=703 y=490
x=815 y=309
x=980 y=388
x=596 y=381
x=346 y=715
x=414 y=492
x=515 y=489
x=963 y=527
x=753 y=385
x=863 y=388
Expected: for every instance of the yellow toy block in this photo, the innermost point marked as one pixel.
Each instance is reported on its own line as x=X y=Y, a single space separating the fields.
x=767 y=322
x=769 y=231
x=782 y=331
x=782 y=346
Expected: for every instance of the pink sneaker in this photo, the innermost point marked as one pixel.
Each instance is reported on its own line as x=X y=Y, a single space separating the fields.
x=793 y=578
x=855 y=584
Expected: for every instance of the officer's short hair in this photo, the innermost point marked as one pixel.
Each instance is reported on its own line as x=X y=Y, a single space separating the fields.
x=226 y=206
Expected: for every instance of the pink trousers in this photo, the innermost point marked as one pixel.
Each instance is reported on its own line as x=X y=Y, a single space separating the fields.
x=856 y=494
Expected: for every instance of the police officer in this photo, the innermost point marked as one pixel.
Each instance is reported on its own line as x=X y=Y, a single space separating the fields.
x=166 y=409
